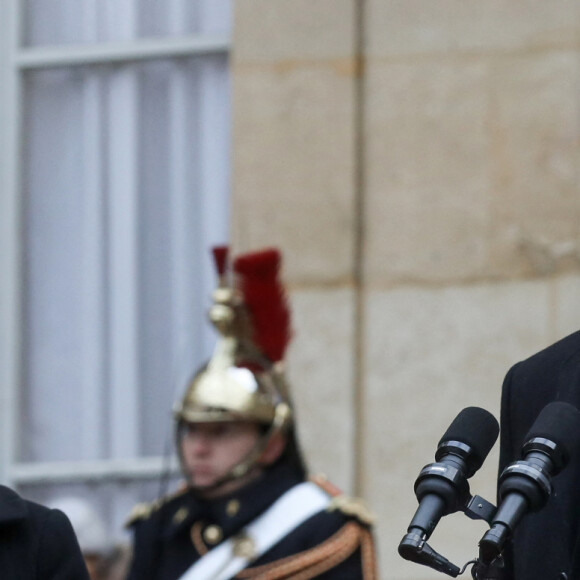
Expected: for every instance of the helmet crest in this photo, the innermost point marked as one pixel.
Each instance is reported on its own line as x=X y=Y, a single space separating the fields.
x=265 y=299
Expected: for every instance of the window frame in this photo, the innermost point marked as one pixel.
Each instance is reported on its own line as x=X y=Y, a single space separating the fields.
x=15 y=61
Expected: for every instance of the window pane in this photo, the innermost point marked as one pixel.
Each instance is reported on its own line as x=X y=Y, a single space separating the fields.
x=61 y=22
x=179 y=156
x=55 y=251
x=54 y=22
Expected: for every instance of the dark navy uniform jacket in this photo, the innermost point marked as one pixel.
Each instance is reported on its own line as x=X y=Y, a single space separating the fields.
x=546 y=544
x=36 y=543
x=169 y=539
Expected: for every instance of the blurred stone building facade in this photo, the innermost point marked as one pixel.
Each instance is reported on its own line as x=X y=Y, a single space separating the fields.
x=417 y=162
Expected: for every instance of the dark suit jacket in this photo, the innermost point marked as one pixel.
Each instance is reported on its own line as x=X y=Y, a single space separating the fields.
x=36 y=543
x=546 y=544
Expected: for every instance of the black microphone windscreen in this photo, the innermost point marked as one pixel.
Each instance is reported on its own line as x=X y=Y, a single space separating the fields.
x=558 y=422
x=477 y=428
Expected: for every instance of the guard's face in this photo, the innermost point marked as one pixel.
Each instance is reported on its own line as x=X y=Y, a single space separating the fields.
x=211 y=450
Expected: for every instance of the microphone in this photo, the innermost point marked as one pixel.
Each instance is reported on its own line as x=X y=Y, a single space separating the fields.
x=442 y=488
x=525 y=485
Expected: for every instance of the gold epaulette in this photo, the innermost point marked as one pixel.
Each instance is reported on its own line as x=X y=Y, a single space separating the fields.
x=353 y=507
x=143 y=511
x=350 y=506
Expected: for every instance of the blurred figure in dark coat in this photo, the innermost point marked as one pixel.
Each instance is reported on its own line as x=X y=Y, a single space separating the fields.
x=105 y=559
x=37 y=543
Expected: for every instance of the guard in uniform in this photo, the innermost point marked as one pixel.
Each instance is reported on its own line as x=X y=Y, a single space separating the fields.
x=37 y=543
x=248 y=509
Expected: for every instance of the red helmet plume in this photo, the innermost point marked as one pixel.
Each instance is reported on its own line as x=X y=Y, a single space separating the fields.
x=265 y=297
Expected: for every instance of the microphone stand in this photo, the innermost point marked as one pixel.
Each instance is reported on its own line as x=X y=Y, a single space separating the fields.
x=524 y=486
x=483 y=571
x=414 y=546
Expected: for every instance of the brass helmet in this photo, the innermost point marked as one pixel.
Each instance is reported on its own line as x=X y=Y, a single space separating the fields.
x=244 y=379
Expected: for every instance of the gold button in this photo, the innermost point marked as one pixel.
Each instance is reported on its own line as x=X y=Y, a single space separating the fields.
x=233 y=507
x=212 y=534
x=244 y=547
x=180 y=515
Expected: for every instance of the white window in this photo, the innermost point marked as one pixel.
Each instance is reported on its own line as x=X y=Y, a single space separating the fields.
x=114 y=185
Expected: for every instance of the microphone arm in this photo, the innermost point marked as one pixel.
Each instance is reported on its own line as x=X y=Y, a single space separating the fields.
x=414 y=546
x=442 y=487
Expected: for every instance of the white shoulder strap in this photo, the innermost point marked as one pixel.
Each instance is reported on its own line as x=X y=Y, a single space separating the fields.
x=286 y=513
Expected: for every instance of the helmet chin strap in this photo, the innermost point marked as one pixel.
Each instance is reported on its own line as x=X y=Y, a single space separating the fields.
x=244 y=467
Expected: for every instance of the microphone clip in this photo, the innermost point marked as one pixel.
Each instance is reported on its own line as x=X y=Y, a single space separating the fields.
x=491 y=571
x=413 y=547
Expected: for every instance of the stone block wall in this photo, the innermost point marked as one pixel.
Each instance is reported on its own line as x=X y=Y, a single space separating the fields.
x=417 y=162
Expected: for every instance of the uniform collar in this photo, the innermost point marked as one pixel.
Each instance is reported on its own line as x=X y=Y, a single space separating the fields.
x=233 y=512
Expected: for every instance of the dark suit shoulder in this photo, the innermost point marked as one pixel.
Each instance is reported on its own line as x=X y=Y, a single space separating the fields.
x=551 y=374
x=12 y=507
x=59 y=554
x=38 y=542
x=555 y=353
x=15 y=509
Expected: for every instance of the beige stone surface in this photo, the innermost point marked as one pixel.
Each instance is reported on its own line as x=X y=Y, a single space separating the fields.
x=427 y=171
x=294 y=134
x=429 y=354
x=270 y=32
x=294 y=168
x=321 y=373
x=399 y=28
x=471 y=168
x=566 y=303
x=535 y=161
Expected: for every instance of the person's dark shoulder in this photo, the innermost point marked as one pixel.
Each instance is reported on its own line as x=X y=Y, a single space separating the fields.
x=552 y=373
x=148 y=521
x=41 y=513
x=555 y=354
x=40 y=537
x=55 y=528
x=151 y=515
x=335 y=544
x=342 y=510
x=13 y=508
x=343 y=526
x=316 y=530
